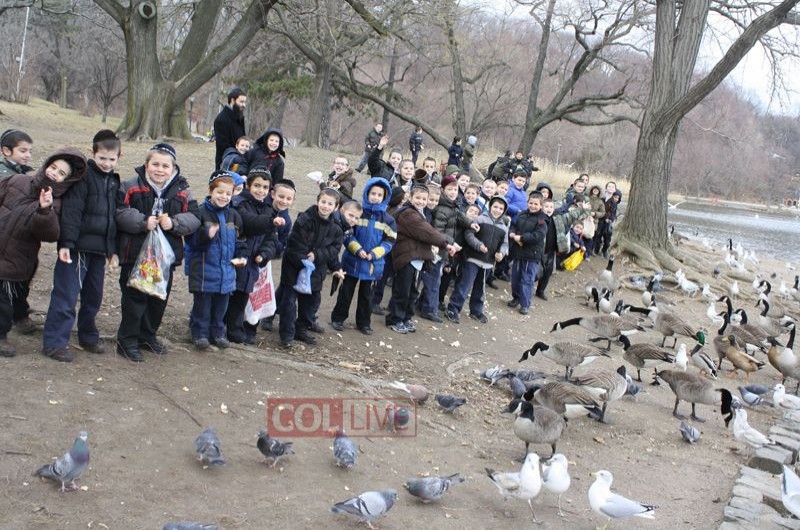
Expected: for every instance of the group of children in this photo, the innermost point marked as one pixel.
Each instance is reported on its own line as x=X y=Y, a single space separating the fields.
x=412 y=226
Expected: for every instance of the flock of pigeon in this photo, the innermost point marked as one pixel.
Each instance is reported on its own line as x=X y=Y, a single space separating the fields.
x=542 y=409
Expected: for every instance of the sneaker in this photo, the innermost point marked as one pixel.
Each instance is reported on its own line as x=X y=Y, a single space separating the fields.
x=26 y=326
x=249 y=341
x=266 y=323
x=442 y=307
x=6 y=349
x=316 y=327
x=59 y=354
x=523 y=310
x=605 y=254
x=503 y=277
x=366 y=330
x=338 y=326
x=154 y=345
x=410 y=326
x=452 y=316
x=512 y=303
x=480 y=318
x=131 y=353
x=376 y=310
x=97 y=347
x=202 y=344
x=542 y=296
x=399 y=328
x=286 y=344
x=431 y=317
x=304 y=336
x=221 y=342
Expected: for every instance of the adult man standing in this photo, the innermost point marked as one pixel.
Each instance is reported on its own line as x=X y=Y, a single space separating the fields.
x=229 y=123
x=370 y=142
x=415 y=144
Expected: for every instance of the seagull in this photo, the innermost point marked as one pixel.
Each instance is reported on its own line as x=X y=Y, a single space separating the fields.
x=524 y=484
x=707 y=292
x=689 y=433
x=614 y=506
x=713 y=316
x=743 y=432
x=783 y=400
x=790 y=491
x=681 y=359
x=733 y=289
x=555 y=477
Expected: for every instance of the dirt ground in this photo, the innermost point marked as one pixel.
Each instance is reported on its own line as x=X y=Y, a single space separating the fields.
x=142 y=419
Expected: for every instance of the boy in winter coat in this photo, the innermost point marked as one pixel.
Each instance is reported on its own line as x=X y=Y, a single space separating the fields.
x=415 y=237
x=29 y=211
x=88 y=238
x=234 y=157
x=16 y=147
x=429 y=165
x=316 y=237
x=526 y=239
x=516 y=197
x=341 y=178
x=157 y=196
x=455 y=153
x=469 y=153
x=371 y=240
x=217 y=250
x=267 y=153
x=415 y=144
x=483 y=249
x=259 y=221
x=388 y=170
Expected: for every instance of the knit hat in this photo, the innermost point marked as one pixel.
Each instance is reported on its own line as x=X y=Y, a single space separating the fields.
x=260 y=172
x=235 y=93
x=449 y=179
x=452 y=168
x=519 y=171
x=238 y=180
x=166 y=149
x=287 y=182
x=420 y=175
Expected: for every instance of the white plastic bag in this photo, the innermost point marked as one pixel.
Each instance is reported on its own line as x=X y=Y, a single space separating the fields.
x=151 y=272
x=261 y=302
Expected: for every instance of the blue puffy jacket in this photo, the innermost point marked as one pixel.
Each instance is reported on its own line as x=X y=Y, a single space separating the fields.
x=375 y=232
x=210 y=268
x=517 y=201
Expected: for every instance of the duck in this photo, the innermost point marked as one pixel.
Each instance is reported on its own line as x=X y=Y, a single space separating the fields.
x=566 y=353
x=783 y=400
x=784 y=360
x=726 y=347
x=608 y=327
x=536 y=425
x=695 y=389
x=605 y=386
x=748 y=336
x=670 y=325
x=644 y=355
x=567 y=399
x=703 y=362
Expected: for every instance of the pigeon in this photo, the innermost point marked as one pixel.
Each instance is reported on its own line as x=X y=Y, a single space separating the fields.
x=207 y=447
x=494 y=374
x=189 y=525
x=524 y=484
x=397 y=417
x=449 y=403
x=70 y=466
x=516 y=385
x=368 y=505
x=418 y=393
x=689 y=433
x=527 y=376
x=555 y=477
x=431 y=488
x=604 y=502
x=272 y=448
x=743 y=432
x=790 y=491
x=751 y=398
x=345 y=450
x=632 y=389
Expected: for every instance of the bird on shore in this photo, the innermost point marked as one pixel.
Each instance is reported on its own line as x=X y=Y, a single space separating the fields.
x=566 y=353
x=430 y=489
x=605 y=386
x=189 y=525
x=608 y=504
x=644 y=355
x=670 y=325
x=726 y=346
x=524 y=484
x=418 y=393
x=784 y=360
x=790 y=491
x=743 y=432
x=345 y=450
x=536 y=425
x=695 y=389
x=368 y=505
x=494 y=374
x=449 y=403
x=783 y=400
x=608 y=327
x=272 y=448
x=753 y=395
x=571 y=401
x=555 y=477
x=703 y=362
x=70 y=466
x=689 y=432
x=207 y=448
x=681 y=357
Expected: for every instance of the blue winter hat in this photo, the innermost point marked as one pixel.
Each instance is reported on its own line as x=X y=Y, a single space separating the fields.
x=166 y=149
x=238 y=180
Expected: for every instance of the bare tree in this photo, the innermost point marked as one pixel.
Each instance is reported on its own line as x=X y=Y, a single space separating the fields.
x=680 y=27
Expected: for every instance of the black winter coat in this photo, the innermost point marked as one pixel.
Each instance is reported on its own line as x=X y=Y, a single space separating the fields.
x=312 y=233
x=493 y=234
x=88 y=213
x=228 y=127
x=260 y=156
x=533 y=229
x=137 y=200
x=378 y=167
x=260 y=238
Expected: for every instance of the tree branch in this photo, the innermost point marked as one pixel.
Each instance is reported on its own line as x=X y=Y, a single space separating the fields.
x=194 y=47
x=114 y=9
x=367 y=17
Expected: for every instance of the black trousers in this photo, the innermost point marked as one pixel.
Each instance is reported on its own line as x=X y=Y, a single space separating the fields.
x=548 y=262
x=296 y=311
x=238 y=328
x=141 y=313
x=363 y=305
x=404 y=294
x=21 y=307
x=9 y=295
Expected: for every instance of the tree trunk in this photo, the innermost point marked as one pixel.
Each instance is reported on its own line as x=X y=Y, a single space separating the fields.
x=62 y=87
x=459 y=114
x=532 y=123
x=390 y=85
x=279 y=112
x=317 y=132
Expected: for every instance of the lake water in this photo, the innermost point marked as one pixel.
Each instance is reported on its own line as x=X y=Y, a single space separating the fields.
x=769 y=235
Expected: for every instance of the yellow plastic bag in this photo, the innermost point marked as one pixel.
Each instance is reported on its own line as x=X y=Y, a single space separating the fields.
x=572 y=262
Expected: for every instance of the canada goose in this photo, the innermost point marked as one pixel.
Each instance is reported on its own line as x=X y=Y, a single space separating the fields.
x=524 y=484
x=677 y=237
x=745 y=334
x=602 y=301
x=670 y=325
x=776 y=309
x=566 y=353
x=794 y=292
x=536 y=425
x=647 y=295
x=702 y=361
x=569 y=400
x=783 y=400
x=773 y=324
x=726 y=347
x=605 y=386
x=695 y=389
x=606 y=278
x=784 y=360
x=644 y=355
x=608 y=327
x=755 y=332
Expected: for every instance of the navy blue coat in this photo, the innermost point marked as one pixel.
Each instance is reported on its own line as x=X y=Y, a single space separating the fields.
x=210 y=268
x=311 y=233
x=533 y=229
x=260 y=237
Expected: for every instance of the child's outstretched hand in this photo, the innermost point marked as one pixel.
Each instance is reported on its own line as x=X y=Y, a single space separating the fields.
x=46 y=197
x=475 y=227
x=383 y=142
x=279 y=221
x=152 y=223
x=212 y=231
x=339 y=274
x=64 y=255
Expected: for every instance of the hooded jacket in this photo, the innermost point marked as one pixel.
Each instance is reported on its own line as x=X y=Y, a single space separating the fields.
x=311 y=233
x=346 y=182
x=563 y=219
x=544 y=186
x=260 y=156
x=493 y=234
x=375 y=232
x=228 y=127
x=232 y=160
x=260 y=237
x=88 y=213
x=137 y=204
x=23 y=224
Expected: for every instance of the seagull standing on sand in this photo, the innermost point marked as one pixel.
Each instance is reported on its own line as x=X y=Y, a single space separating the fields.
x=606 y=503
x=524 y=484
x=555 y=477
